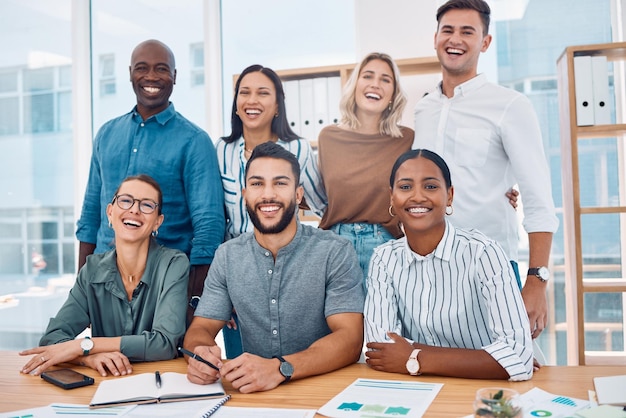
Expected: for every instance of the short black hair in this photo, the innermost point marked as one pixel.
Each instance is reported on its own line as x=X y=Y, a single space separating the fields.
x=480 y=6
x=271 y=149
x=429 y=155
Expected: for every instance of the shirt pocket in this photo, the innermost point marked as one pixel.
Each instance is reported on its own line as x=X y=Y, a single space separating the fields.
x=471 y=147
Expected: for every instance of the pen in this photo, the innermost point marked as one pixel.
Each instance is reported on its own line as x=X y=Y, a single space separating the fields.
x=197 y=357
x=157 y=376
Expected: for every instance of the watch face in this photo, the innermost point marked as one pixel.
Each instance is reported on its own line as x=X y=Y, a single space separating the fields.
x=412 y=366
x=286 y=369
x=86 y=344
x=544 y=273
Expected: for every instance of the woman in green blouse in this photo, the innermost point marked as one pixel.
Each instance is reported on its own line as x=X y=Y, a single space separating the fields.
x=133 y=298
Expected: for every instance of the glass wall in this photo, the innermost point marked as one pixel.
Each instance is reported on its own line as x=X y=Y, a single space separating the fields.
x=37 y=244
x=36 y=167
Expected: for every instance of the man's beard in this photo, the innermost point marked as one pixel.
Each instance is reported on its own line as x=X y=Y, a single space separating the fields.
x=277 y=228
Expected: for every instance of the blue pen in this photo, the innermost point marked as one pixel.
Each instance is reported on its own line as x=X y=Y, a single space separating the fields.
x=157 y=376
x=197 y=357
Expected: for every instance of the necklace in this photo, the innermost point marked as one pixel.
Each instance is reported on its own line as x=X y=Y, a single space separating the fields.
x=130 y=277
x=247 y=150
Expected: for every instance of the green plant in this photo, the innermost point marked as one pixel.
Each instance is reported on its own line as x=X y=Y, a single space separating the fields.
x=498 y=406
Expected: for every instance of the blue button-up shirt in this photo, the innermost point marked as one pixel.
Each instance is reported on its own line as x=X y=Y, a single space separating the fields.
x=181 y=158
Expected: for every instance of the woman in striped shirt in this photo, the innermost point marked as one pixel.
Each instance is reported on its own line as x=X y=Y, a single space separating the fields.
x=442 y=300
x=259 y=115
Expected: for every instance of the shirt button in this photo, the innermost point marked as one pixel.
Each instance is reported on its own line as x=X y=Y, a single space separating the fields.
x=267 y=253
x=134 y=149
x=274 y=332
x=273 y=300
x=142 y=124
x=269 y=271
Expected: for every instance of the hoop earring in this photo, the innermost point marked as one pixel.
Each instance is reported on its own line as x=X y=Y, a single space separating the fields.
x=391 y=211
x=451 y=210
x=155 y=233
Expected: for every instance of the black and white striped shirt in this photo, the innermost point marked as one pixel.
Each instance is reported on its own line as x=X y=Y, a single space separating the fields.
x=232 y=164
x=464 y=294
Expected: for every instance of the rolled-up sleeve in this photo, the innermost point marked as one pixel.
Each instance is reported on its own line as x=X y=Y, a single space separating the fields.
x=508 y=320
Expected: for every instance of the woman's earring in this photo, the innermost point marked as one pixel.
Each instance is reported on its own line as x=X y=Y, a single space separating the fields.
x=155 y=233
x=391 y=211
x=110 y=224
x=276 y=115
x=390 y=103
x=450 y=211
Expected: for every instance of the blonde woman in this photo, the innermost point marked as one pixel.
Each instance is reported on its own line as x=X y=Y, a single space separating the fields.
x=356 y=156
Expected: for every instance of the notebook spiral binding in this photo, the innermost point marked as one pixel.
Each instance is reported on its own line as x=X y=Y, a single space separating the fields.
x=211 y=411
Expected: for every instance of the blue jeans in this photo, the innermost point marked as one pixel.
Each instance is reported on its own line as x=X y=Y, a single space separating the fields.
x=364 y=238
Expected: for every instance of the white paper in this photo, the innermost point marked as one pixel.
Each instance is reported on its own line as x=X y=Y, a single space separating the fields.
x=243 y=412
x=382 y=398
x=56 y=410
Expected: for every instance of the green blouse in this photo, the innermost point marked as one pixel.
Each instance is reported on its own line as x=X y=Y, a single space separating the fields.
x=151 y=324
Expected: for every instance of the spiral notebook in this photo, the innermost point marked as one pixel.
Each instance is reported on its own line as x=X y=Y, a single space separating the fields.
x=214 y=408
x=193 y=409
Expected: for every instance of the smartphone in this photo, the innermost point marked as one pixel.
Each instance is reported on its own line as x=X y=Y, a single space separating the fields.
x=67 y=378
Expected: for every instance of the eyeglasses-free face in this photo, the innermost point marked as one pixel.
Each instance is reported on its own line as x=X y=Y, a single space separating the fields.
x=126 y=201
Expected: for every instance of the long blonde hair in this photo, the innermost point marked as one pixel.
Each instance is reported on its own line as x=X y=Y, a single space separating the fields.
x=391 y=116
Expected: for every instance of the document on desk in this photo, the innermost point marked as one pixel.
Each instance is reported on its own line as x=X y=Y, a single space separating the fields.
x=382 y=398
x=611 y=389
x=56 y=410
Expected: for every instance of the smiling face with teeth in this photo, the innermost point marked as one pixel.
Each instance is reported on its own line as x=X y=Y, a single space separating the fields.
x=153 y=75
x=272 y=195
x=419 y=198
x=132 y=225
x=374 y=89
x=256 y=104
x=459 y=40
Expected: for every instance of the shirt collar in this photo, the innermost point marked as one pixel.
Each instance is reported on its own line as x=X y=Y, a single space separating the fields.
x=443 y=250
x=161 y=117
x=467 y=87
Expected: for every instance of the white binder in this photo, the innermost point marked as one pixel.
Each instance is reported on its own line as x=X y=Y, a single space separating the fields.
x=600 y=73
x=307 y=110
x=583 y=85
x=292 y=104
x=320 y=99
x=334 y=97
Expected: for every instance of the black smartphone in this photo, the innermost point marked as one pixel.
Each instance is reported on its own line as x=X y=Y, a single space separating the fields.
x=67 y=378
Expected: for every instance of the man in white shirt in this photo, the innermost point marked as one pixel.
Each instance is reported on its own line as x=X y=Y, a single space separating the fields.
x=490 y=137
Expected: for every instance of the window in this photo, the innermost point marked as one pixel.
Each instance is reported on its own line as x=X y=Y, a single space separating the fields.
x=196 y=56
x=107 y=75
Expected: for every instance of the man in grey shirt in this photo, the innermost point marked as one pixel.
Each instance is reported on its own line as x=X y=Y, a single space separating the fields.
x=296 y=289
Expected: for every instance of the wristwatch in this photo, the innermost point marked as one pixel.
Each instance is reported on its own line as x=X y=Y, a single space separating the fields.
x=286 y=368
x=412 y=365
x=542 y=273
x=86 y=344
